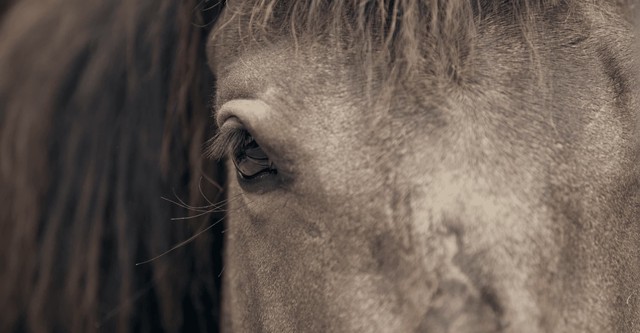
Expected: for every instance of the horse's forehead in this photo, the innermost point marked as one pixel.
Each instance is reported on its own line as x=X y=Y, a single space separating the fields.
x=298 y=77
x=280 y=67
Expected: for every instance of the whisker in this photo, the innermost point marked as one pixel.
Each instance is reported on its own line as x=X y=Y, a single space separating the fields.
x=213 y=182
x=178 y=198
x=190 y=239
x=183 y=204
x=202 y=193
x=195 y=216
x=193 y=209
x=185 y=242
x=212 y=209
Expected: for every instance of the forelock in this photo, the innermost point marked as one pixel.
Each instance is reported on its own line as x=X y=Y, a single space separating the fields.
x=401 y=35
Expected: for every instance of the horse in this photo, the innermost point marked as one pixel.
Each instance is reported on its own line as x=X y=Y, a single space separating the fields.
x=390 y=165
x=429 y=165
x=103 y=113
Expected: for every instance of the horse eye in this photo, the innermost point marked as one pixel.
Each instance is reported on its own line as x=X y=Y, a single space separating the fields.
x=250 y=160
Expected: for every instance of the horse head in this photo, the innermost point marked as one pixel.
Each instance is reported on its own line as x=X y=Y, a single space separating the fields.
x=437 y=166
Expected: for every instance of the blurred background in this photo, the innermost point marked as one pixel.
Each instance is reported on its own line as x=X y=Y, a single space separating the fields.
x=104 y=111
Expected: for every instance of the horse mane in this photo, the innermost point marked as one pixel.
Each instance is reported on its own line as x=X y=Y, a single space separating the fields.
x=103 y=110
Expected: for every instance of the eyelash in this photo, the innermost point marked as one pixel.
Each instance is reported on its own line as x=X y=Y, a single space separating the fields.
x=226 y=141
x=250 y=160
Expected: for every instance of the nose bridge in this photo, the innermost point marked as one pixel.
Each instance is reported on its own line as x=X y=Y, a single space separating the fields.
x=428 y=216
x=484 y=242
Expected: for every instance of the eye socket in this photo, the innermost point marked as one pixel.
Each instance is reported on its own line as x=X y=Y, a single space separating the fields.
x=250 y=160
x=253 y=165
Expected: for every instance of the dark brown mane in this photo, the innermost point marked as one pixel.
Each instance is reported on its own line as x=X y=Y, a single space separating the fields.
x=102 y=113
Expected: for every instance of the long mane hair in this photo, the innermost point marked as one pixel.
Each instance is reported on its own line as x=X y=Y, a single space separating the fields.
x=104 y=111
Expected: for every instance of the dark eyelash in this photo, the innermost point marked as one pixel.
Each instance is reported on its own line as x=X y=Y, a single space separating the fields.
x=228 y=140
